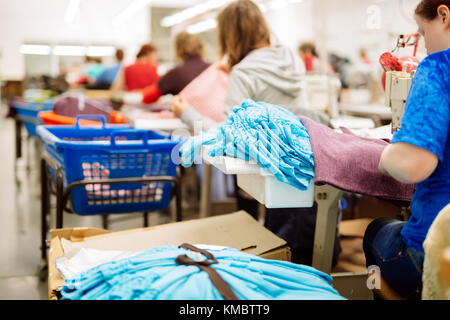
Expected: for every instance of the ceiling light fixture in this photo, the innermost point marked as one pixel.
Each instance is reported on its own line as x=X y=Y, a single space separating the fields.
x=134 y=7
x=192 y=12
x=62 y=50
x=202 y=26
x=100 y=51
x=37 y=49
x=72 y=10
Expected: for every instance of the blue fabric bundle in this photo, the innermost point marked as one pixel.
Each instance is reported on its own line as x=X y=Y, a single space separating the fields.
x=155 y=275
x=272 y=136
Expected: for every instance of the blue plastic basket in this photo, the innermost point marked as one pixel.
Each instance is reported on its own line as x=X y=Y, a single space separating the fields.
x=27 y=112
x=111 y=152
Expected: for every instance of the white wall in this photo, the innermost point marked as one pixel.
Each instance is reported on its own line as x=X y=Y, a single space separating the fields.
x=292 y=24
x=365 y=26
x=350 y=24
x=43 y=22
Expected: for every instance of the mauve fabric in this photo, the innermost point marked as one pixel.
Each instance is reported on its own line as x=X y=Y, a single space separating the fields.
x=350 y=163
x=69 y=105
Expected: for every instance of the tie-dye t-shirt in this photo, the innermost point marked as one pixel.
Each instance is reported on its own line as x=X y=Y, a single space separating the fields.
x=426 y=125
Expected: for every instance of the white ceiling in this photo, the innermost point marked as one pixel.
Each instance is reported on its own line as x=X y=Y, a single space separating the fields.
x=18 y=9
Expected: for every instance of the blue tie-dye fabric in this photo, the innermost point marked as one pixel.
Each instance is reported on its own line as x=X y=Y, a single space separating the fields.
x=270 y=135
x=426 y=125
x=155 y=275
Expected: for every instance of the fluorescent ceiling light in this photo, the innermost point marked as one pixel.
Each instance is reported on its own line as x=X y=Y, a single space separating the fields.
x=134 y=7
x=69 y=50
x=202 y=26
x=72 y=10
x=100 y=51
x=276 y=4
x=192 y=12
x=35 y=49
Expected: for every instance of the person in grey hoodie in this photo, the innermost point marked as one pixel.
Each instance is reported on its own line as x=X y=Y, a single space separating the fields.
x=259 y=71
x=272 y=74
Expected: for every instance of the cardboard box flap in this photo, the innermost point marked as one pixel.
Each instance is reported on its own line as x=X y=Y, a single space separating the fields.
x=354 y=228
x=237 y=230
x=77 y=234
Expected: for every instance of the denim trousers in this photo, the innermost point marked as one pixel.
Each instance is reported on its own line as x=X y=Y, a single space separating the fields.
x=400 y=265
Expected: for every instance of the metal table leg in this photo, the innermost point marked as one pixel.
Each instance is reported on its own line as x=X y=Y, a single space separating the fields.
x=327 y=199
x=205 y=195
x=59 y=199
x=18 y=138
x=178 y=199
x=45 y=198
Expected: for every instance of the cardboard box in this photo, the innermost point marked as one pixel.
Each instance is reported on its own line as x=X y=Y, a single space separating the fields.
x=352 y=258
x=237 y=230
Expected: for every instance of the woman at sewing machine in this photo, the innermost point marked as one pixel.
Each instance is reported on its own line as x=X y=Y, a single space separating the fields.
x=419 y=154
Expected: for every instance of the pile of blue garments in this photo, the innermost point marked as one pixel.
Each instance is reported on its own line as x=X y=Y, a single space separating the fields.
x=156 y=275
x=270 y=135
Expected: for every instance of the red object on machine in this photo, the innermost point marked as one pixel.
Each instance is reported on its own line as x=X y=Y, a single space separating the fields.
x=390 y=62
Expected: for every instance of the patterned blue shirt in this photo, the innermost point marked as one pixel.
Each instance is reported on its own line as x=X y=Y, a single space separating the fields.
x=426 y=125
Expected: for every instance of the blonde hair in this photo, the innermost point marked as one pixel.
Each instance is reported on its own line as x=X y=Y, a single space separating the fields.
x=188 y=45
x=241 y=29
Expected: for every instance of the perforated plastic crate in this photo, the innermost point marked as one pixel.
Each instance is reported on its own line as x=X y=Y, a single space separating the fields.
x=112 y=152
x=27 y=112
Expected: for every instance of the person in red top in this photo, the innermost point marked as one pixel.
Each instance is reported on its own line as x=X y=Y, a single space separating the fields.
x=141 y=74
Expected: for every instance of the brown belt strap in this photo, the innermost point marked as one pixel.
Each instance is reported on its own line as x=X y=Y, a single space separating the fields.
x=218 y=282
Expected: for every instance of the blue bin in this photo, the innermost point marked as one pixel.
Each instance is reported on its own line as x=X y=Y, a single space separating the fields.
x=28 y=111
x=111 y=152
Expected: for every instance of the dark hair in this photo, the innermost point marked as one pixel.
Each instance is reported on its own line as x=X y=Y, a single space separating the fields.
x=308 y=47
x=145 y=49
x=241 y=29
x=428 y=8
x=119 y=54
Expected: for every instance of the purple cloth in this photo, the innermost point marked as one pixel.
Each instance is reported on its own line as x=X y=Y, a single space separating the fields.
x=69 y=105
x=350 y=163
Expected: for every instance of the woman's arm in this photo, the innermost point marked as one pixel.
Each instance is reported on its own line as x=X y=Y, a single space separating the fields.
x=119 y=83
x=190 y=116
x=407 y=163
x=151 y=93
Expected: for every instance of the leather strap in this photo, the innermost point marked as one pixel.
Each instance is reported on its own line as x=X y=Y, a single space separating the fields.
x=205 y=265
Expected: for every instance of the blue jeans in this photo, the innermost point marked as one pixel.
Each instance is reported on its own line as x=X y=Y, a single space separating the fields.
x=401 y=266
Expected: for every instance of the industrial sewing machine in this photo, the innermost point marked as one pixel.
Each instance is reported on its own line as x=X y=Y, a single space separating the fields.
x=397 y=90
x=398 y=78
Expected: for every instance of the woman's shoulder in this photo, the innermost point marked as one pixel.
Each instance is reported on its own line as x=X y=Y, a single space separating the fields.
x=437 y=66
x=438 y=59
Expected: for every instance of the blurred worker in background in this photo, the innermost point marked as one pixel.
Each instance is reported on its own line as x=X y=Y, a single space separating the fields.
x=141 y=74
x=190 y=51
x=108 y=75
x=307 y=52
x=89 y=71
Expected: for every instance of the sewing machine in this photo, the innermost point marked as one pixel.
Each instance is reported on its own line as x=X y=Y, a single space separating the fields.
x=399 y=75
x=396 y=94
